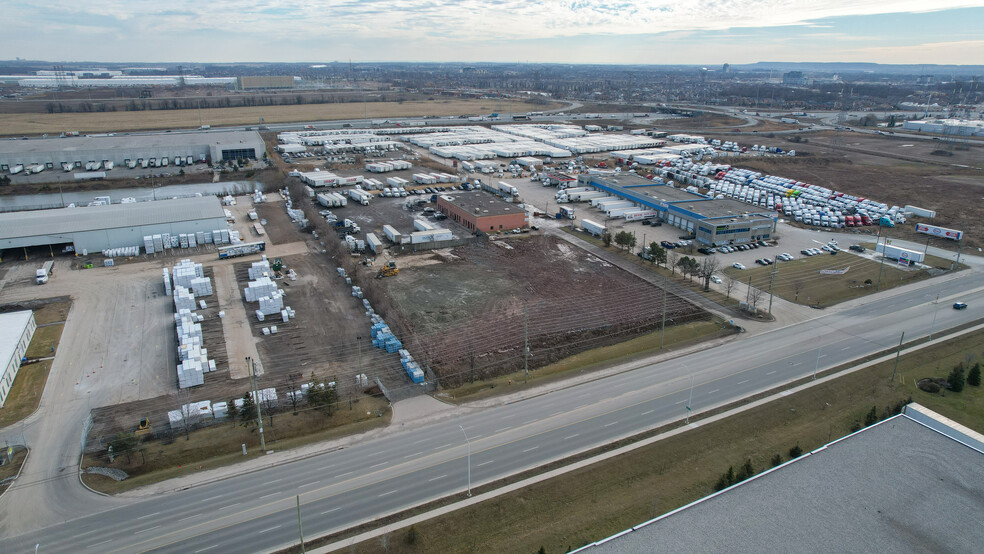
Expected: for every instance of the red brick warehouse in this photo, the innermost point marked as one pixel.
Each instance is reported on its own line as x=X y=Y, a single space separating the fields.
x=478 y=211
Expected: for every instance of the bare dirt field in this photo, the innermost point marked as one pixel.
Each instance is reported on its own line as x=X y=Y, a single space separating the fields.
x=37 y=123
x=466 y=315
x=953 y=192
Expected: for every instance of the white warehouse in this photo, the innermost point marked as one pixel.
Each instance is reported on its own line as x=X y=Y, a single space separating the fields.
x=16 y=331
x=97 y=228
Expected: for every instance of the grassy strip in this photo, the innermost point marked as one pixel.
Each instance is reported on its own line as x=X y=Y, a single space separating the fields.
x=610 y=496
x=597 y=358
x=12 y=467
x=156 y=460
x=35 y=123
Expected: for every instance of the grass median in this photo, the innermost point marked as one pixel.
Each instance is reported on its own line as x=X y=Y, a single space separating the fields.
x=597 y=501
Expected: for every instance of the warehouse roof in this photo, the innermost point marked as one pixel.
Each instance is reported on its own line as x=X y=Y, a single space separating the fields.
x=485 y=204
x=123 y=140
x=896 y=486
x=722 y=208
x=12 y=326
x=73 y=220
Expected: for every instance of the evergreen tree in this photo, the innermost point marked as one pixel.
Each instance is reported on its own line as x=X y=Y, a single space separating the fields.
x=777 y=460
x=974 y=376
x=871 y=417
x=795 y=452
x=956 y=379
x=247 y=414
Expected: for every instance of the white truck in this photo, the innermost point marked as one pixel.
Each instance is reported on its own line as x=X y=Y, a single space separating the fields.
x=360 y=196
x=508 y=190
x=44 y=272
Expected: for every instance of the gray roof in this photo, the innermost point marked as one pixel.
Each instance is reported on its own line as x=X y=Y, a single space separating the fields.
x=72 y=220
x=12 y=326
x=898 y=486
x=725 y=207
x=123 y=140
x=486 y=203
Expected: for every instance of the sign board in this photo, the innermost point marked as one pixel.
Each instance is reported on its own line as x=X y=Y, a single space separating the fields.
x=904 y=262
x=941 y=232
x=835 y=271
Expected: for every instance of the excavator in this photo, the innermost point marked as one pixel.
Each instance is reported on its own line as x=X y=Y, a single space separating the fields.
x=388 y=270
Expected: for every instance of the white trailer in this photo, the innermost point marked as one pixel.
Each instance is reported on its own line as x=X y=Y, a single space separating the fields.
x=602 y=199
x=360 y=196
x=36 y=168
x=508 y=190
x=131 y=164
x=921 y=212
x=896 y=253
x=585 y=196
x=392 y=234
x=15 y=169
x=374 y=244
x=109 y=165
x=595 y=229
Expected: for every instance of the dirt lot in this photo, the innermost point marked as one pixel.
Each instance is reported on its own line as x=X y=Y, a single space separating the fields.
x=37 y=123
x=466 y=315
x=953 y=192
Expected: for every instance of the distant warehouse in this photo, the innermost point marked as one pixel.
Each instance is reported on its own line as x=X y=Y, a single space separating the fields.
x=478 y=211
x=98 y=228
x=713 y=221
x=121 y=149
x=273 y=81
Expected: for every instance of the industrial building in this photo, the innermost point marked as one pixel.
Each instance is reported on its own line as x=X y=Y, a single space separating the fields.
x=890 y=487
x=271 y=81
x=98 y=228
x=955 y=127
x=478 y=211
x=120 y=149
x=713 y=221
x=16 y=331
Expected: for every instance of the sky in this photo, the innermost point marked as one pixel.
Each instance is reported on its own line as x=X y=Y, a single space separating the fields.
x=536 y=31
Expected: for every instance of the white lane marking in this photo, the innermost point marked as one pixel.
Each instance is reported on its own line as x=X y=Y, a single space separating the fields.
x=680 y=402
x=210 y=498
x=436 y=478
x=797 y=363
x=571 y=436
x=147 y=529
x=443 y=446
x=743 y=382
x=274 y=481
x=822 y=356
x=845 y=348
x=379 y=465
x=148 y=515
x=485 y=463
x=331 y=510
x=207 y=548
x=190 y=517
x=530 y=449
x=714 y=391
x=420 y=441
x=610 y=424
x=528 y=422
x=229 y=506
x=580 y=396
x=503 y=429
x=389 y=493
x=648 y=412
x=475 y=437
x=98 y=543
x=412 y=456
x=344 y=474
x=556 y=413
x=271 y=529
x=771 y=372
x=308 y=484
x=327 y=467
x=268 y=495
x=507 y=416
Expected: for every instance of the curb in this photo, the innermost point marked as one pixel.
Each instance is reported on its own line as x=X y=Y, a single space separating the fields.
x=16 y=477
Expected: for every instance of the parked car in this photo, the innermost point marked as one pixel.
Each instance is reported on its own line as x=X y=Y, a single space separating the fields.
x=762 y=261
x=715 y=279
x=856 y=248
x=959 y=305
x=737 y=265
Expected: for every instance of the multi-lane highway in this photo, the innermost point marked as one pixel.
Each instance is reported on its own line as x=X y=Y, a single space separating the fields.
x=256 y=511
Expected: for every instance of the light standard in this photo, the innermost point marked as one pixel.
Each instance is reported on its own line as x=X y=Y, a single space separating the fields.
x=468 y=443
x=932 y=327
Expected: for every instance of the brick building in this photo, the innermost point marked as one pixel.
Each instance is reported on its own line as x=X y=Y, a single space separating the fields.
x=480 y=211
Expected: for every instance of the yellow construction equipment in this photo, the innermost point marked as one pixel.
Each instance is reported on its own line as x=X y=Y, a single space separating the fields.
x=389 y=270
x=144 y=427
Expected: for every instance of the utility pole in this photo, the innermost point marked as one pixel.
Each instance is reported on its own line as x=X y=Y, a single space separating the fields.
x=748 y=291
x=691 y=399
x=772 y=281
x=468 y=443
x=898 y=353
x=256 y=399
x=526 y=345
x=817 y=366
x=300 y=530
x=936 y=310
x=662 y=325
x=881 y=266
x=956 y=264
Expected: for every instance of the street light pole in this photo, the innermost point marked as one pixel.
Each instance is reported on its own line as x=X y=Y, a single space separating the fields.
x=897 y=354
x=300 y=529
x=936 y=310
x=691 y=399
x=468 y=444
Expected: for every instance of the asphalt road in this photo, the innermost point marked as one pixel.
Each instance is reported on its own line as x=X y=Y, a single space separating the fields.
x=256 y=511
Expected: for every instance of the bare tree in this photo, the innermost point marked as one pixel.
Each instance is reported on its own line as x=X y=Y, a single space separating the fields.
x=707 y=268
x=754 y=295
x=672 y=258
x=730 y=281
x=293 y=381
x=797 y=287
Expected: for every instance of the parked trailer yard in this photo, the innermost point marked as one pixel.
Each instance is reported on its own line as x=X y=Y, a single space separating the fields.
x=465 y=314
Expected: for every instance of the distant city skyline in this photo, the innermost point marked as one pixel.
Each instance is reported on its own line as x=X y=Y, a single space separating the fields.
x=579 y=31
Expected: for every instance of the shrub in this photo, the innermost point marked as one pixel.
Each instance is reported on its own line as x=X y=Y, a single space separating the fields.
x=974 y=376
x=777 y=460
x=795 y=452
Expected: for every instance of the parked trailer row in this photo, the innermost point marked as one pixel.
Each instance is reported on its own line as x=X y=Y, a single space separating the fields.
x=595 y=229
x=332 y=200
x=384 y=167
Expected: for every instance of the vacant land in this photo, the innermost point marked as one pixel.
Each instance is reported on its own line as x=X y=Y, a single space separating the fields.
x=469 y=316
x=603 y=499
x=801 y=280
x=36 y=123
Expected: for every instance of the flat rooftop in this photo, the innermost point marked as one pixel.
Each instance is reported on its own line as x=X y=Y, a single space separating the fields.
x=484 y=203
x=12 y=326
x=122 y=140
x=726 y=207
x=63 y=221
x=898 y=486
